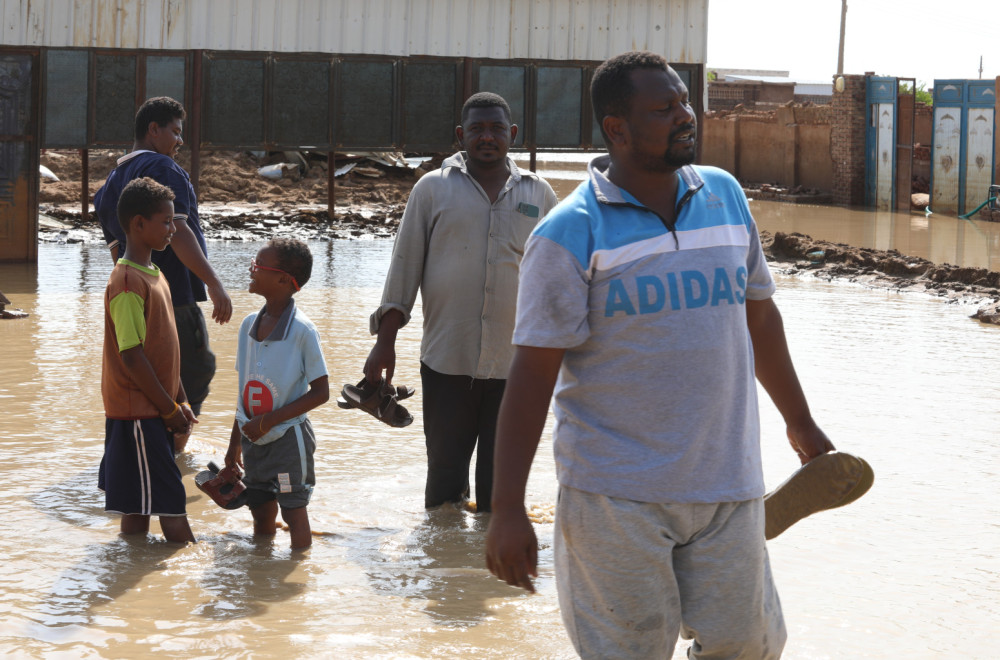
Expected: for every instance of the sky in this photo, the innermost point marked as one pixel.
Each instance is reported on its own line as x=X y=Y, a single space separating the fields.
x=922 y=39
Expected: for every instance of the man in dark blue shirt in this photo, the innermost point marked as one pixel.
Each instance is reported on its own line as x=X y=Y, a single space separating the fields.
x=158 y=127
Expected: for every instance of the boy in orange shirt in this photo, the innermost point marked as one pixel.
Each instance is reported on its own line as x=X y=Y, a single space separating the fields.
x=144 y=401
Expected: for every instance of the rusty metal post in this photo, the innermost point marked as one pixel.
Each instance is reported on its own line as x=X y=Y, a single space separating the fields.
x=85 y=183
x=194 y=112
x=331 y=185
x=533 y=159
x=466 y=78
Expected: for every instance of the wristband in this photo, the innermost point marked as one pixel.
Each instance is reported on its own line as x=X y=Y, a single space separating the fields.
x=172 y=412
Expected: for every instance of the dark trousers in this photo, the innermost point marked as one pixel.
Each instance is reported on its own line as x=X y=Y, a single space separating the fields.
x=459 y=412
x=197 y=359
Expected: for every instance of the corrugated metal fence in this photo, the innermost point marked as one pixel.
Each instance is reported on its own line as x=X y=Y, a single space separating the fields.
x=498 y=29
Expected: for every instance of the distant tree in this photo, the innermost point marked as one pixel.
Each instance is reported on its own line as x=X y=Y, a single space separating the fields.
x=712 y=75
x=922 y=94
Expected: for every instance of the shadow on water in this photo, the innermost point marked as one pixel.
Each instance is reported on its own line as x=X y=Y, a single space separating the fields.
x=441 y=562
x=74 y=501
x=106 y=572
x=247 y=576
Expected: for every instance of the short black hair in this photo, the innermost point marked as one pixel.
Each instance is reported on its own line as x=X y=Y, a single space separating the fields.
x=161 y=109
x=141 y=197
x=611 y=87
x=294 y=258
x=485 y=100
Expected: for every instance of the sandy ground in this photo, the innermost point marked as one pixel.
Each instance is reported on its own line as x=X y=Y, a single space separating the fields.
x=233 y=196
x=235 y=202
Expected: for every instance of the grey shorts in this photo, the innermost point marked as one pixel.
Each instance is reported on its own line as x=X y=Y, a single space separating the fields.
x=282 y=469
x=633 y=576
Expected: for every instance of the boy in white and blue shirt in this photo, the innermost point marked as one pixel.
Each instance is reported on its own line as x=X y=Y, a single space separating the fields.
x=282 y=376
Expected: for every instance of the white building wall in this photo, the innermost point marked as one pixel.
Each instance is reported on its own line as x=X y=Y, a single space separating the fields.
x=499 y=29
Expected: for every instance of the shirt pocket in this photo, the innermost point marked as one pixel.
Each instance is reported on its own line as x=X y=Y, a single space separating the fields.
x=512 y=231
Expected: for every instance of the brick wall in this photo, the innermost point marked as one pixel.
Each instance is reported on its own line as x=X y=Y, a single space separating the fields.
x=847 y=142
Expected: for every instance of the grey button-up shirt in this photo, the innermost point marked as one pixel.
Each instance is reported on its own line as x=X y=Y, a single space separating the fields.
x=462 y=253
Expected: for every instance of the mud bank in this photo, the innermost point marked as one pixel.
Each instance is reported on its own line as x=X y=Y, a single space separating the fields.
x=798 y=254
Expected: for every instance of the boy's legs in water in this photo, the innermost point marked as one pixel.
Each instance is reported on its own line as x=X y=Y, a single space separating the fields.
x=297 y=520
x=265 y=516
x=133 y=523
x=176 y=529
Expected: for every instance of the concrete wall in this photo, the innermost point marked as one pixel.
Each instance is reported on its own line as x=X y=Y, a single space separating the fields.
x=814 y=164
x=790 y=147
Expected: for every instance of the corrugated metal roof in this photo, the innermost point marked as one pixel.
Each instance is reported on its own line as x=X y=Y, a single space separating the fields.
x=499 y=29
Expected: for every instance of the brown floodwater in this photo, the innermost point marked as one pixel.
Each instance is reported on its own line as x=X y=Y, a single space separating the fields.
x=905 y=380
x=939 y=238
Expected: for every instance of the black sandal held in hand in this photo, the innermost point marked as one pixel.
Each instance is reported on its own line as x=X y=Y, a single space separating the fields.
x=402 y=392
x=380 y=400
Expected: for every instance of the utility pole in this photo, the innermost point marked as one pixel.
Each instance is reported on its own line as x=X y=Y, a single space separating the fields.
x=843 y=25
x=980 y=67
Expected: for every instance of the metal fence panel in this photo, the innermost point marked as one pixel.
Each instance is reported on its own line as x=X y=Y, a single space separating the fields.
x=365 y=103
x=18 y=157
x=429 y=93
x=510 y=82
x=234 y=101
x=165 y=76
x=559 y=111
x=114 y=99
x=66 y=80
x=272 y=100
x=301 y=103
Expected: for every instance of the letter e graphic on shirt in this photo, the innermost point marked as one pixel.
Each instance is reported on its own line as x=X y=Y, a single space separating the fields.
x=257 y=398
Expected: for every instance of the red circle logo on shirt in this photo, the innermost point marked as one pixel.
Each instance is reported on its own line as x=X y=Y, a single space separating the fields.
x=257 y=398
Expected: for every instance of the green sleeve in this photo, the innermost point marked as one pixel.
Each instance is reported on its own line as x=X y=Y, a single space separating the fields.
x=130 y=323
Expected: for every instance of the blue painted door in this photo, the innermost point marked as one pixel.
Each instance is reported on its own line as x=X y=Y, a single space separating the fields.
x=881 y=99
x=962 y=151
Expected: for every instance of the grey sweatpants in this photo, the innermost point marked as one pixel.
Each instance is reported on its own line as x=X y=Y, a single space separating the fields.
x=632 y=576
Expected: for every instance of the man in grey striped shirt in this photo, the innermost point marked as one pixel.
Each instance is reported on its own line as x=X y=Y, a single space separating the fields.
x=460 y=244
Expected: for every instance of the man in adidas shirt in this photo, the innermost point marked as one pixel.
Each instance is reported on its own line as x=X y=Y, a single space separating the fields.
x=645 y=306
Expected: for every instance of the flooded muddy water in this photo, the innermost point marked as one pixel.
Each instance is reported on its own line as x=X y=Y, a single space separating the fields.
x=909 y=571
x=939 y=238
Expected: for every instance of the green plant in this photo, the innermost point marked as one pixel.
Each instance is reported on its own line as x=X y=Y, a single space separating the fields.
x=922 y=95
